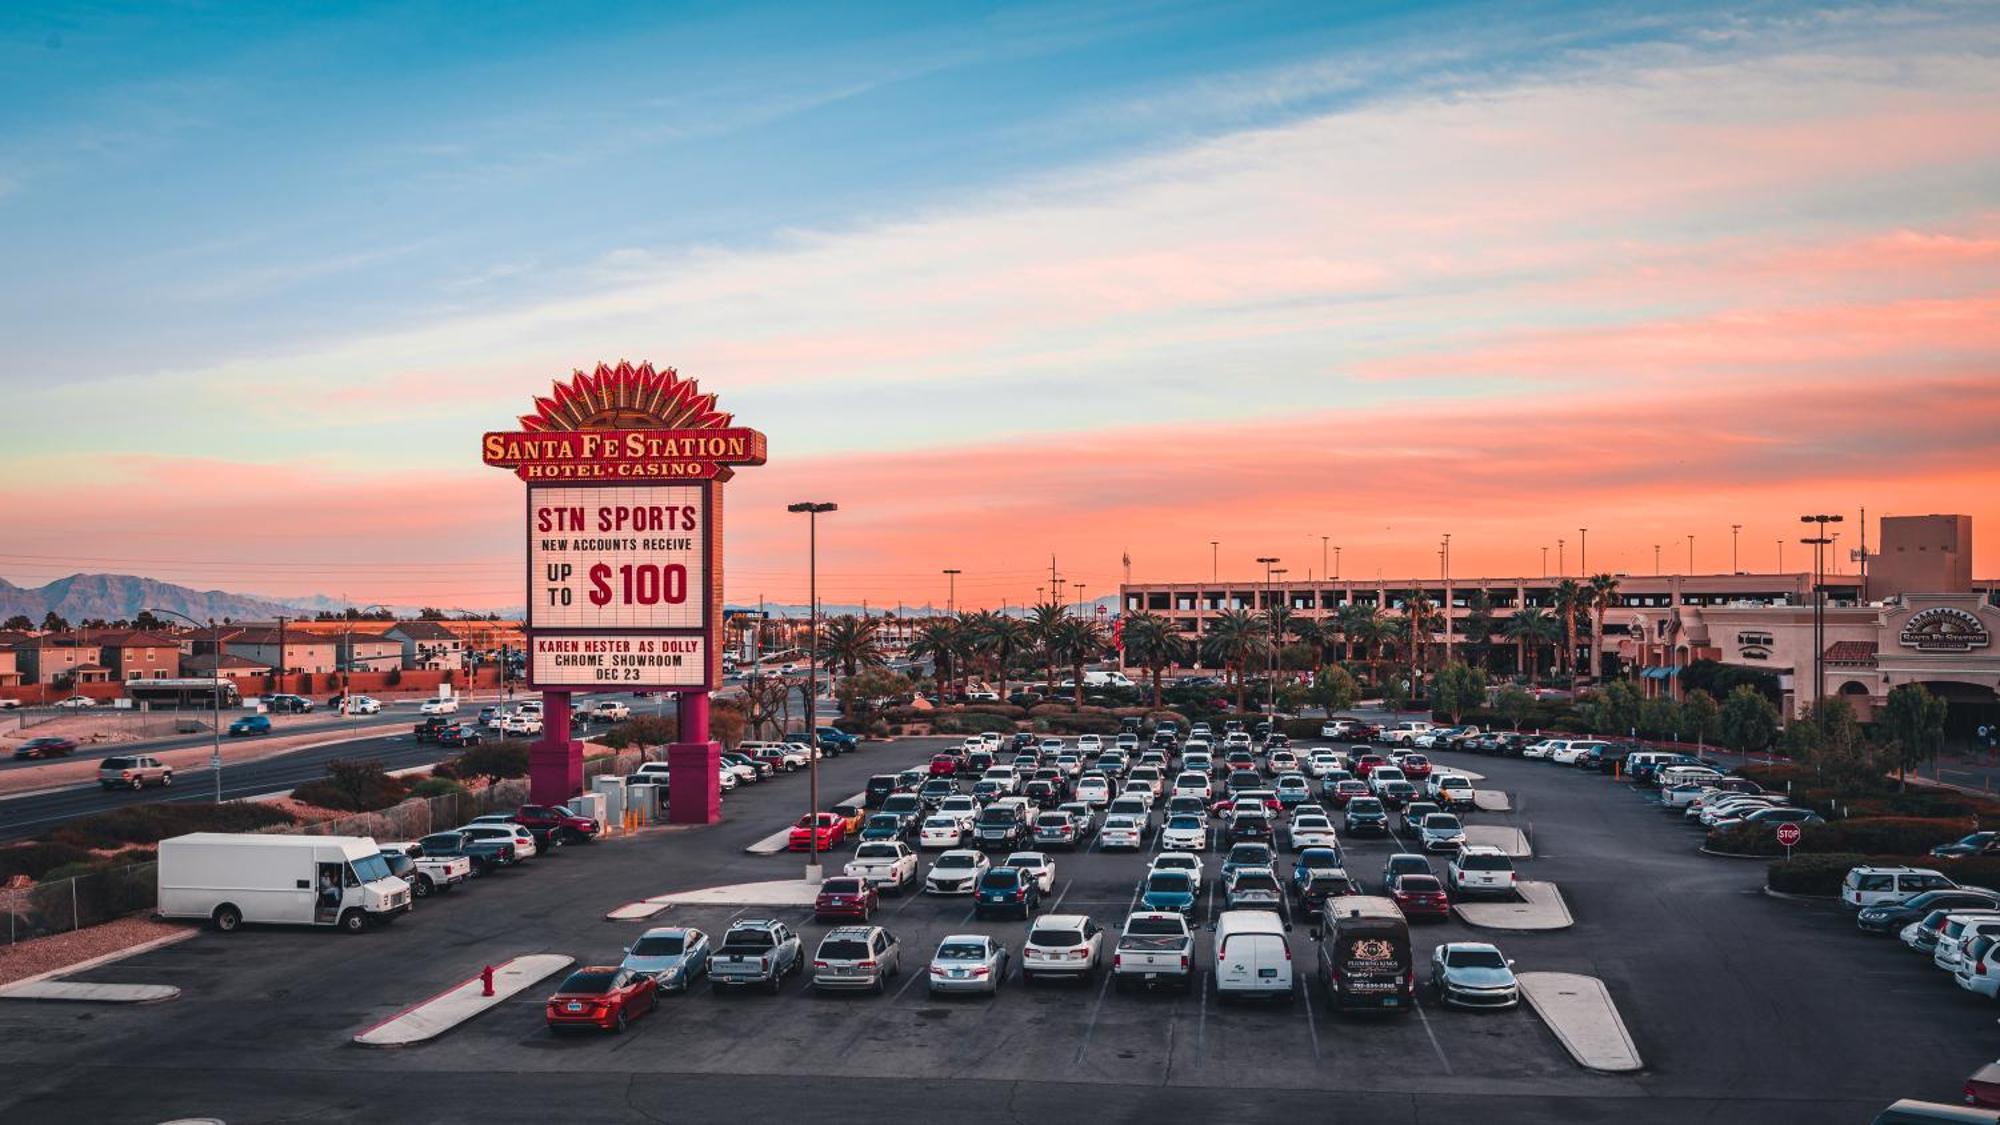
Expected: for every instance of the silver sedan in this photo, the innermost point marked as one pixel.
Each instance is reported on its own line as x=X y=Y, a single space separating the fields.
x=968 y=963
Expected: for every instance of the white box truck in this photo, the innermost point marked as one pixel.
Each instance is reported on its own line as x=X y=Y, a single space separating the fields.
x=234 y=877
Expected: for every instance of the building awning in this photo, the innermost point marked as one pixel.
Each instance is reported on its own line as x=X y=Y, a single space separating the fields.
x=1662 y=673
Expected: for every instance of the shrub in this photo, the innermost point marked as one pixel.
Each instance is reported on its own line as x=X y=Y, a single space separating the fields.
x=436 y=787
x=972 y=722
x=1086 y=721
x=1004 y=710
x=34 y=860
x=1822 y=874
x=149 y=824
x=1886 y=835
x=353 y=786
x=1301 y=728
x=642 y=730
x=495 y=761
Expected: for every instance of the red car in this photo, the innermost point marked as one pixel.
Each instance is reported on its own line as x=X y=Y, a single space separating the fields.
x=845 y=897
x=605 y=997
x=1368 y=762
x=1347 y=790
x=1416 y=767
x=554 y=818
x=944 y=765
x=1420 y=896
x=47 y=746
x=830 y=827
x=1983 y=1088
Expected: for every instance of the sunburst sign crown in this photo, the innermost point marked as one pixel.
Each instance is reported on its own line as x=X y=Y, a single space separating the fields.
x=626 y=398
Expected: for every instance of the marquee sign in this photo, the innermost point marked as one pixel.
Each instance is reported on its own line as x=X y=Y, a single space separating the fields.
x=1944 y=629
x=624 y=511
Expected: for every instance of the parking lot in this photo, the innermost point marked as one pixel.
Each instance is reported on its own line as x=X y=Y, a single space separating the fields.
x=1744 y=1007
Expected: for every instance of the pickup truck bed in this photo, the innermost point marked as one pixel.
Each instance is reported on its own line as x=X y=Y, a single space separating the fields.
x=1146 y=958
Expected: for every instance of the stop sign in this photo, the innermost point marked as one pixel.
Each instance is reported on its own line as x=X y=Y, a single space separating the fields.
x=1788 y=834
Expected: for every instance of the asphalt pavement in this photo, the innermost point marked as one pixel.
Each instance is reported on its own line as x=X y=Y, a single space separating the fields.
x=1745 y=1007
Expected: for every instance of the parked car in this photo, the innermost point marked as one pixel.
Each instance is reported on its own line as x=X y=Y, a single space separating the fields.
x=845 y=896
x=1006 y=889
x=1891 y=916
x=524 y=842
x=1441 y=832
x=1365 y=816
x=486 y=853
x=446 y=707
x=606 y=997
x=1062 y=945
x=863 y=957
x=968 y=963
x=1978 y=843
x=886 y=865
x=555 y=820
x=1156 y=947
x=1474 y=974
x=759 y=951
x=133 y=771
x=1420 y=896
x=428 y=873
x=1480 y=869
x=46 y=746
x=1038 y=865
x=1252 y=888
x=674 y=956
x=828 y=829
x=955 y=872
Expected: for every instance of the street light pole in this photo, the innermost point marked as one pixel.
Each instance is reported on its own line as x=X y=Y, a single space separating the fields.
x=214 y=695
x=1734 y=530
x=812 y=510
x=1214 y=561
x=1270 y=615
x=951 y=591
x=1819 y=543
x=1277 y=647
x=1583 y=550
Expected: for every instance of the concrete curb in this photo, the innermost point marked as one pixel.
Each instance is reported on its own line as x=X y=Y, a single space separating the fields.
x=635 y=911
x=1705 y=850
x=1511 y=841
x=1581 y=1013
x=102 y=959
x=775 y=892
x=780 y=840
x=1789 y=896
x=1542 y=908
x=428 y=1019
x=80 y=992
x=1491 y=800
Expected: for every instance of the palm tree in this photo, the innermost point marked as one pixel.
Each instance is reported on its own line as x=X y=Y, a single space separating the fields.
x=1152 y=641
x=1530 y=628
x=1078 y=639
x=1359 y=623
x=1234 y=636
x=1043 y=622
x=850 y=643
x=1421 y=617
x=1313 y=631
x=1003 y=637
x=1602 y=588
x=940 y=640
x=1571 y=599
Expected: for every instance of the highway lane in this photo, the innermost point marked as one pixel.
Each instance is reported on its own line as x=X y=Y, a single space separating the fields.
x=332 y=724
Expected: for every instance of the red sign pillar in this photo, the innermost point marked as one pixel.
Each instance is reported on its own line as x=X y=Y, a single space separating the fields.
x=693 y=786
x=555 y=764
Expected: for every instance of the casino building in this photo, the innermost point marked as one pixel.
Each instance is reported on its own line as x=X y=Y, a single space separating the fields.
x=1917 y=616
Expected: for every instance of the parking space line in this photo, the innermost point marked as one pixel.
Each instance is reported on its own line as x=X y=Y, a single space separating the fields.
x=1431 y=1035
x=1056 y=906
x=1312 y=1022
x=1091 y=1026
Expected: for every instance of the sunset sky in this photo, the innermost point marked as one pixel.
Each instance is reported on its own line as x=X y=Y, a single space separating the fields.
x=1001 y=281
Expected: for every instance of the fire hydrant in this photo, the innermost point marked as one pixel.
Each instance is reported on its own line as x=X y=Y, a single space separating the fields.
x=486 y=981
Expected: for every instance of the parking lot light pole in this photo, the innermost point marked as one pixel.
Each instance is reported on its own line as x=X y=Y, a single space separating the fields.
x=214 y=695
x=951 y=591
x=812 y=511
x=1271 y=616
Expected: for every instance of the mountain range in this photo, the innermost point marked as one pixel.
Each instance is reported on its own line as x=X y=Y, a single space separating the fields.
x=83 y=597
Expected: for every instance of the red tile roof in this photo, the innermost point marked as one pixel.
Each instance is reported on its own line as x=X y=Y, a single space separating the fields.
x=1851 y=652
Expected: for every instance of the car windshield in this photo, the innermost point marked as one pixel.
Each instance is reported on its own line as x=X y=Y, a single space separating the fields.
x=1325 y=882
x=118 y=763
x=1418 y=884
x=1249 y=854
x=370 y=868
x=950 y=822
x=1169 y=881
x=589 y=984
x=1026 y=862
x=1486 y=863
x=1184 y=822
x=949 y=861
x=1052 y=820
x=1256 y=881
x=1475 y=959
x=1444 y=821
x=1363 y=805
x=1056 y=938
x=444 y=841
x=841 y=887
x=661 y=945
x=843 y=949
x=901 y=803
x=961 y=951
x=1120 y=822
x=750 y=939
x=1002 y=877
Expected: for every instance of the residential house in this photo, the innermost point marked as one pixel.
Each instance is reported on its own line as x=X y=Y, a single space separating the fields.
x=136 y=654
x=428 y=646
x=62 y=659
x=303 y=652
x=368 y=652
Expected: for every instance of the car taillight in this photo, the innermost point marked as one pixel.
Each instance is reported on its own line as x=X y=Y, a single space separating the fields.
x=1184 y=960
x=981 y=971
x=1288 y=953
x=819 y=964
x=763 y=963
x=1117 y=960
x=866 y=964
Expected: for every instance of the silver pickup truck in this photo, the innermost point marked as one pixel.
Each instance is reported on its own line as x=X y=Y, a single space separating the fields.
x=1156 y=947
x=756 y=951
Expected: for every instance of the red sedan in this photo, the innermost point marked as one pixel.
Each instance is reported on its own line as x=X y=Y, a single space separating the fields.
x=1367 y=762
x=1416 y=767
x=830 y=827
x=844 y=897
x=944 y=765
x=1346 y=790
x=605 y=997
x=1420 y=896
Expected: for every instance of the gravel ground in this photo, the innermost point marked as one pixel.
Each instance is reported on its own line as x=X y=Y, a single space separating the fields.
x=30 y=958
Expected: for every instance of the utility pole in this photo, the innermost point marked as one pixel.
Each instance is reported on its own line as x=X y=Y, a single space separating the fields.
x=1819 y=544
x=951 y=593
x=1449 y=604
x=1690 y=552
x=1322 y=554
x=281 y=654
x=1214 y=561
x=1270 y=610
x=1545 y=562
x=1562 y=570
x=1276 y=647
x=1656 y=560
x=1583 y=550
x=812 y=511
x=1734 y=530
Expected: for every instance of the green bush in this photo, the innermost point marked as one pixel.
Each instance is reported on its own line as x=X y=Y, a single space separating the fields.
x=1301 y=728
x=496 y=761
x=1883 y=835
x=149 y=824
x=1004 y=710
x=436 y=787
x=34 y=860
x=353 y=786
x=641 y=730
x=972 y=722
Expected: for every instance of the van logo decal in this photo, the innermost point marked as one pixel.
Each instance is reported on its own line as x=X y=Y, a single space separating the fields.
x=1372 y=949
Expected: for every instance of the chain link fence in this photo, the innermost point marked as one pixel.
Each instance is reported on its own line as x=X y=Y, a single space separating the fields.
x=93 y=898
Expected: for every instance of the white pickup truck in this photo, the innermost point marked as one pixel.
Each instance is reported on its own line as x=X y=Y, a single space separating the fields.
x=610 y=710
x=1156 y=947
x=888 y=865
x=432 y=872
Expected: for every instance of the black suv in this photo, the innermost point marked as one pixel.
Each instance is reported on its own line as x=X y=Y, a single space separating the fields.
x=1000 y=827
x=879 y=788
x=1366 y=815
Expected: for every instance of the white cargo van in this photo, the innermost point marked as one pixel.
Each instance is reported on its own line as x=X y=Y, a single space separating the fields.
x=1252 y=957
x=234 y=877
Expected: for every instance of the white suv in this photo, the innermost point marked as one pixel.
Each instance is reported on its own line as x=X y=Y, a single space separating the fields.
x=1480 y=869
x=1062 y=945
x=1869 y=886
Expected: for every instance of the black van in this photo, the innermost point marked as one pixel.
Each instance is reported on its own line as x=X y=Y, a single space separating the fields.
x=1364 y=955
x=879 y=787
